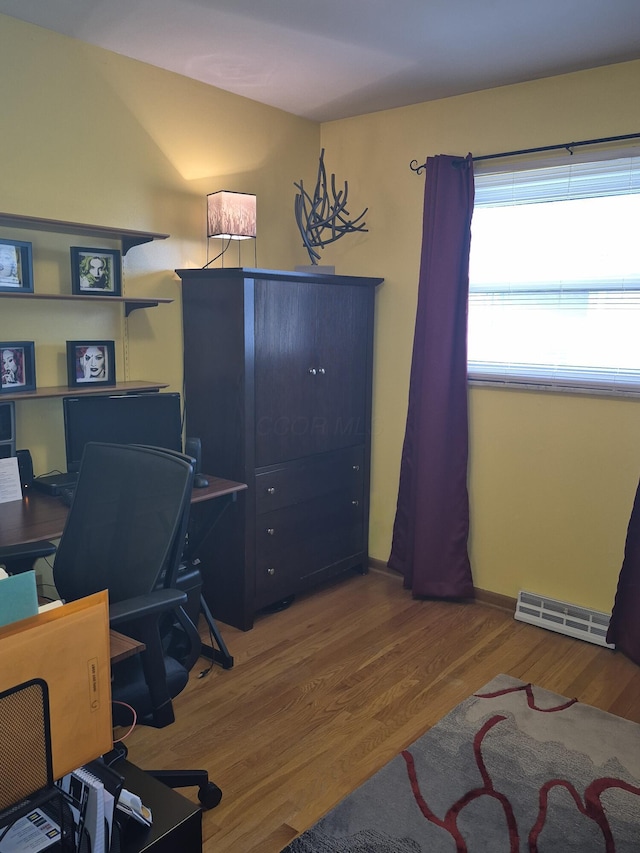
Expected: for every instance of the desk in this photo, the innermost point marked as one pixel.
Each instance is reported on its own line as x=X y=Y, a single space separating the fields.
x=177 y=822
x=40 y=516
x=121 y=646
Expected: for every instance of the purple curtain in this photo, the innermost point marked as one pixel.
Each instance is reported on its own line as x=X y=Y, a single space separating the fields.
x=624 y=627
x=432 y=517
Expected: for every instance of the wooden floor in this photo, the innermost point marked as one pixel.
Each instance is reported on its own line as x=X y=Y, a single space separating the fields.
x=324 y=693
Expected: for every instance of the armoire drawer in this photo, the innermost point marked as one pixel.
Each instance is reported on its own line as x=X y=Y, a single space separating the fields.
x=294 y=542
x=312 y=477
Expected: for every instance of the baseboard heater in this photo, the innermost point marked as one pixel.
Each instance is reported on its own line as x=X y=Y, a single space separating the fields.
x=565 y=618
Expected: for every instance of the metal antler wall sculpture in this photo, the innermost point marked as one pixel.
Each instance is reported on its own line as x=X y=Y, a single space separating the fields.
x=321 y=219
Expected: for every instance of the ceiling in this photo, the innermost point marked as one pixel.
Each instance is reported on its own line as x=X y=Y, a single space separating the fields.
x=332 y=59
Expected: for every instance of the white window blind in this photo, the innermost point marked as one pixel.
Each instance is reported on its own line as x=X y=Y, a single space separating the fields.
x=555 y=276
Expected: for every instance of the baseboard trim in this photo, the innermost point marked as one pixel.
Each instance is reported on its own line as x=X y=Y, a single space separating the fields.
x=380 y=566
x=483 y=596
x=495 y=599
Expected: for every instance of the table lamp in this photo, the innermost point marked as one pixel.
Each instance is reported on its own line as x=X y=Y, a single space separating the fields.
x=230 y=216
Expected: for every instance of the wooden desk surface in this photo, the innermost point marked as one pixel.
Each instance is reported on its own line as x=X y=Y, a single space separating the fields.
x=40 y=516
x=122 y=647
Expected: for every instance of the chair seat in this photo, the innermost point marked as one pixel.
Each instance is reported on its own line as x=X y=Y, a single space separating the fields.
x=129 y=686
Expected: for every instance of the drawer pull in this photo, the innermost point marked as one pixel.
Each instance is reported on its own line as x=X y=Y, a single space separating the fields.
x=356 y=467
x=271 y=490
x=270 y=531
x=271 y=571
x=355 y=503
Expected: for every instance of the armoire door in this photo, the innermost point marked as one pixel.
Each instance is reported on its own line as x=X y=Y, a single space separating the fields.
x=343 y=314
x=310 y=368
x=284 y=346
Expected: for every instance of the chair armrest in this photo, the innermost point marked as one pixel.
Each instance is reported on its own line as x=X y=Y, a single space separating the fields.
x=22 y=557
x=149 y=604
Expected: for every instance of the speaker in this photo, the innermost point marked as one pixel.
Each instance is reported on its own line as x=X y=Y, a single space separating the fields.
x=25 y=468
x=193 y=448
x=7 y=429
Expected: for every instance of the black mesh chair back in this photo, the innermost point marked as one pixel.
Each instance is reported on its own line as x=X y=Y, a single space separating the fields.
x=25 y=748
x=126 y=526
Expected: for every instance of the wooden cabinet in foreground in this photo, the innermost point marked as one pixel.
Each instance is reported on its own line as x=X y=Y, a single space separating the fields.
x=278 y=373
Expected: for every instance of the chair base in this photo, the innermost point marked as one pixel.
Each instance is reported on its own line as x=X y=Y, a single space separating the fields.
x=209 y=794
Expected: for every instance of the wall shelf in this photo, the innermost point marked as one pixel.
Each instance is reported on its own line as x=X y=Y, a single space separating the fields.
x=130 y=302
x=128 y=238
x=64 y=390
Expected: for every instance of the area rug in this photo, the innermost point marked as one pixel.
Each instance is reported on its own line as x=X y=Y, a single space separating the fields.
x=513 y=768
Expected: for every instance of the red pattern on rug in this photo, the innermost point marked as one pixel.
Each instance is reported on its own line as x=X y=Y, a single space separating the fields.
x=539 y=772
x=531 y=702
x=591 y=807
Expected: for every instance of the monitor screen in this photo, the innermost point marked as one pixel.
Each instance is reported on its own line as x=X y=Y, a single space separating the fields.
x=151 y=418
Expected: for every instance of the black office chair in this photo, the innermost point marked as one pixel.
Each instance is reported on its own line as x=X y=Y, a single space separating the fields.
x=125 y=532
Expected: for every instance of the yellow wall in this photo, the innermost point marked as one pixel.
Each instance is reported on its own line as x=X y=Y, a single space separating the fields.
x=552 y=476
x=89 y=136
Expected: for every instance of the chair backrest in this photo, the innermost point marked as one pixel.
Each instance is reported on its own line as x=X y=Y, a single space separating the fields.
x=126 y=526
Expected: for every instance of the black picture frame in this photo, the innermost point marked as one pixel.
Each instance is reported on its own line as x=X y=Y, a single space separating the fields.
x=96 y=272
x=91 y=363
x=16 y=266
x=18 y=367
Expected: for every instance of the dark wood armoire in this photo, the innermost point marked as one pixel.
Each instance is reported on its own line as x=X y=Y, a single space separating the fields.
x=278 y=370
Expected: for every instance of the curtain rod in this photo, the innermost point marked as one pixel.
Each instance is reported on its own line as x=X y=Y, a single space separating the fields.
x=413 y=165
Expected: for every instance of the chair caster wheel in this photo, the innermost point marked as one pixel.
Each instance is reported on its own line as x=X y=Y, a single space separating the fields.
x=210 y=795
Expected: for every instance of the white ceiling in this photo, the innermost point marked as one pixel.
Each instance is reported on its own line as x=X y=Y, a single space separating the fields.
x=336 y=58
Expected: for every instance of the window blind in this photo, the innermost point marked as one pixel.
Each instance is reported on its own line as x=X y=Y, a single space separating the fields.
x=555 y=276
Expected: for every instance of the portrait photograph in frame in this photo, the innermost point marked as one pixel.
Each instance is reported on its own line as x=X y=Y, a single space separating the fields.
x=18 y=361
x=96 y=272
x=91 y=363
x=16 y=266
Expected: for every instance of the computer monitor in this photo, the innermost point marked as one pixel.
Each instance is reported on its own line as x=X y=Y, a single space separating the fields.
x=152 y=418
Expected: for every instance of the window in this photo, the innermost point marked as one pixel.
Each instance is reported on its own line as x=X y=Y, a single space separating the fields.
x=554 y=293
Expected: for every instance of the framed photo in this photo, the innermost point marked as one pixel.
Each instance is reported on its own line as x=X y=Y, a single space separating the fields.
x=91 y=363
x=16 y=268
x=96 y=272
x=18 y=366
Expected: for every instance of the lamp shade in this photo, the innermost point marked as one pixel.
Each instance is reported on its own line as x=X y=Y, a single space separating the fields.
x=231 y=215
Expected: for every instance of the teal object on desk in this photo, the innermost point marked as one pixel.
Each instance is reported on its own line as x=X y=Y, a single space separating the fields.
x=18 y=597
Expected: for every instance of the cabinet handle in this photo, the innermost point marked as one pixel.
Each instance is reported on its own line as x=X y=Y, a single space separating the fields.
x=312 y=371
x=355 y=503
x=270 y=531
x=271 y=490
x=356 y=467
x=271 y=571
x=321 y=371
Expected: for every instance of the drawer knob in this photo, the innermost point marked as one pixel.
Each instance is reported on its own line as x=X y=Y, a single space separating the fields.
x=321 y=371
x=270 y=531
x=355 y=503
x=271 y=571
x=356 y=467
x=312 y=371
x=271 y=490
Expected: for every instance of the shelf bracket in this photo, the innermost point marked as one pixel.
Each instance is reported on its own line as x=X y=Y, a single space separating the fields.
x=133 y=306
x=130 y=242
